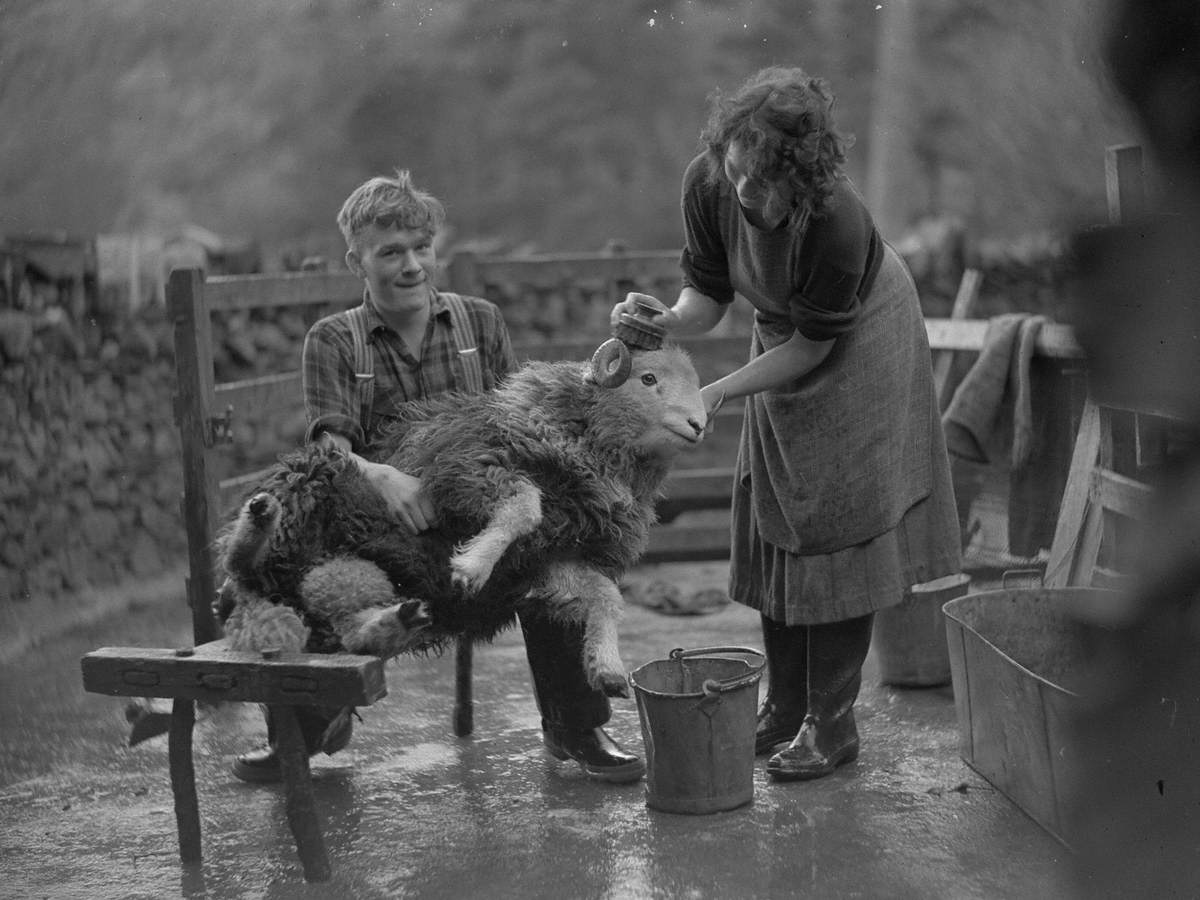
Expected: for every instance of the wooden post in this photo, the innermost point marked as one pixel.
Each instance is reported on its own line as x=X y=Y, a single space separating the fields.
x=1125 y=183
x=135 y=274
x=464 y=703
x=1081 y=527
x=301 y=804
x=891 y=168
x=183 y=779
x=967 y=476
x=463 y=273
x=193 y=411
x=1060 y=567
x=964 y=305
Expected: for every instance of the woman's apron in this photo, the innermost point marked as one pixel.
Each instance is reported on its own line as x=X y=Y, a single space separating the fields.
x=837 y=457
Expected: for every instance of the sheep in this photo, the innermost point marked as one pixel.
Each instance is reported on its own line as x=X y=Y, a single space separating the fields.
x=544 y=491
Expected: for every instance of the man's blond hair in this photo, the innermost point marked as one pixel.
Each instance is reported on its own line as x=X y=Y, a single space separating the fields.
x=389 y=202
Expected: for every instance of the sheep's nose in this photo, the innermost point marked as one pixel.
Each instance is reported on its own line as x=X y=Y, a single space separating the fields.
x=696 y=427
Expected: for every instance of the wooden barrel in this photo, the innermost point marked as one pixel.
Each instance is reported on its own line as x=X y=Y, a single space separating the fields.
x=910 y=638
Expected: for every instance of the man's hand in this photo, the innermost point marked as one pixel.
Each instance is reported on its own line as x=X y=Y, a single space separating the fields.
x=402 y=493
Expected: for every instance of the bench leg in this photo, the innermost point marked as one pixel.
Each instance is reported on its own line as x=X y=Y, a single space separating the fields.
x=464 y=705
x=183 y=779
x=301 y=805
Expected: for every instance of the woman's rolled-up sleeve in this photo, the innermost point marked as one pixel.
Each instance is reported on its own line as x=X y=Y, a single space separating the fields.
x=705 y=260
x=838 y=250
x=829 y=304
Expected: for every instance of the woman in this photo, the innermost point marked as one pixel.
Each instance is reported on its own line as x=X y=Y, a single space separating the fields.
x=843 y=499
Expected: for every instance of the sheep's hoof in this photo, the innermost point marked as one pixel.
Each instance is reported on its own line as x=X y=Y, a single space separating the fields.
x=467 y=578
x=262 y=506
x=613 y=684
x=389 y=631
x=413 y=615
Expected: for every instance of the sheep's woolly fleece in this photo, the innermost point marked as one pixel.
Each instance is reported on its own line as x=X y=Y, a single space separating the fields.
x=591 y=460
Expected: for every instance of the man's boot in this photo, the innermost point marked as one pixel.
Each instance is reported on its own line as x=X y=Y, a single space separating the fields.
x=782 y=712
x=828 y=737
x=572 y=711
x=323 y=729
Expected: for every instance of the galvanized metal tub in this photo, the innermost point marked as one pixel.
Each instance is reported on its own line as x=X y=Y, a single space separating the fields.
x=1019 y=663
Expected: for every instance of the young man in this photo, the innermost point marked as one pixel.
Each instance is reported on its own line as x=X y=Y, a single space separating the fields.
x=416 y=342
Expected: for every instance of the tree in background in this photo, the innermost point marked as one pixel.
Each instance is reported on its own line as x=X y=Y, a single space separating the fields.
x=891 y=176
x=552 y=123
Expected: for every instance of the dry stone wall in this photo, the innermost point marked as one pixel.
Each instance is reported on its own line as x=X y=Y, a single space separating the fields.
x=90 y=475
x=89 y=471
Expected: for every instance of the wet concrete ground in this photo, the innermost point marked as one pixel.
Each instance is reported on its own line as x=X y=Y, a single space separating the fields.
x=411 y=811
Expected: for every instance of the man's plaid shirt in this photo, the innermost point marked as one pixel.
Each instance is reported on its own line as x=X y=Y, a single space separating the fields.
x=331 y=395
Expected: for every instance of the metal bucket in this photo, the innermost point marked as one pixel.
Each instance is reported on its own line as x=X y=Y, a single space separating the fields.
x=698 y=714
x=910 y=638
x=1020 y=659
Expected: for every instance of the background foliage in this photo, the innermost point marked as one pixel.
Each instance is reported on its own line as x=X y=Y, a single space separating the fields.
x=555 y=124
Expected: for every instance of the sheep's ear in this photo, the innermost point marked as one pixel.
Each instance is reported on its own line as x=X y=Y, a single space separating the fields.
x=611 y=364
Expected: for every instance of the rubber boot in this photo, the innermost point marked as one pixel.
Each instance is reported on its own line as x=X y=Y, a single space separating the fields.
x=572 y=710
x=828 y=737
x=324 y=728
x=782 y=712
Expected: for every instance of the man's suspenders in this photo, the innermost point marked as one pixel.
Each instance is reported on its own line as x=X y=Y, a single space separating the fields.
x=364 y=365
x=464 y=342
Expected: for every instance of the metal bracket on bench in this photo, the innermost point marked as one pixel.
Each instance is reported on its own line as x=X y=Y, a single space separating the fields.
x=222 y=427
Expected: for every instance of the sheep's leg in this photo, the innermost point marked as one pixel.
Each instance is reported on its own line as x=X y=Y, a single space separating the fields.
x=360 y=602
x=516 y=515
x=242 y=546
x=258 y=624
x=572 y=592
x=385 y=632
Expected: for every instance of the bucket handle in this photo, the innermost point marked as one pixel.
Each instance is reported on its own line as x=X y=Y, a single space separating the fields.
x=712 y=686
x=1023 y=573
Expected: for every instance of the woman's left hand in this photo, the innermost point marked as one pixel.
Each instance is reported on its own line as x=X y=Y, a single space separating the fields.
x=713 y=401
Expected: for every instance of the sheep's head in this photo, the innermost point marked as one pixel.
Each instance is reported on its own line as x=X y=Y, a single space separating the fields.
x=658 y=408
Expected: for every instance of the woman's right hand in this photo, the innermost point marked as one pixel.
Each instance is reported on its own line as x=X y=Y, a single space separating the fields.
x=666 y=317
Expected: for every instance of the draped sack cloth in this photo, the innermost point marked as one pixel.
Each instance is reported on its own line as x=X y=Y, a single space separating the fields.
x=990 y=417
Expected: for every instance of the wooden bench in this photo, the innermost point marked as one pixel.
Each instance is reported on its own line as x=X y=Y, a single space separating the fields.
x=209 y=672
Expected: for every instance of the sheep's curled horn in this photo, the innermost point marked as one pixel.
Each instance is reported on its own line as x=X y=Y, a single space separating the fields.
x=611 y=363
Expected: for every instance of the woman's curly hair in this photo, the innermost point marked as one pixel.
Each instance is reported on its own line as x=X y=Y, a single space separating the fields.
x=781 y=117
